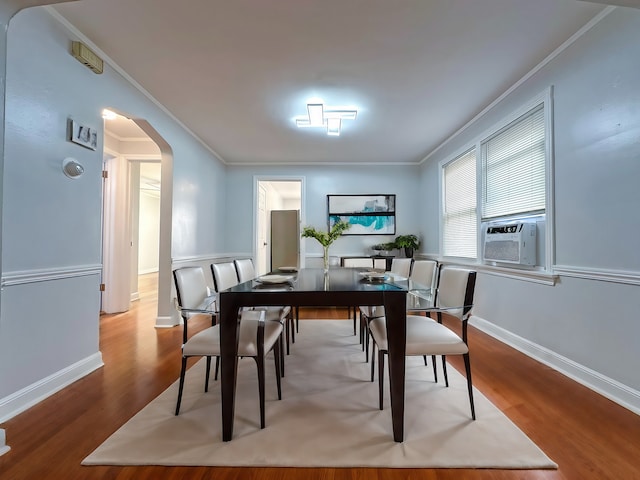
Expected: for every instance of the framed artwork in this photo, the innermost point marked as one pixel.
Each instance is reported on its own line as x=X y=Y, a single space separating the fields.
x=84 y=135
x=367 y=214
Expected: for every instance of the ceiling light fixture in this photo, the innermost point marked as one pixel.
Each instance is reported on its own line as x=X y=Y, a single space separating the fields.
x=108 y=114
x=327 y=117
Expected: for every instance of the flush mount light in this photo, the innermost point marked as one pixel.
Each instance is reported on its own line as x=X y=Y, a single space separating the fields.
x=108 y=114
x=326 y=117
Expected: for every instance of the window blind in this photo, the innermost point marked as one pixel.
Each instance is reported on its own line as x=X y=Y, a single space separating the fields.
x=460 y=225
x=513 y=166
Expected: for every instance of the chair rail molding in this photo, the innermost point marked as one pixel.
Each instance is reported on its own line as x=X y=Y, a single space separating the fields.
x=604 y=275
x=44 y=275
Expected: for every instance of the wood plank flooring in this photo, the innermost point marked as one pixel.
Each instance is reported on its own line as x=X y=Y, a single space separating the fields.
x=589 y=436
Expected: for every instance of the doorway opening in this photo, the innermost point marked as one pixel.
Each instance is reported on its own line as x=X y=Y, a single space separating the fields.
x=131 y=214
x=279 y=212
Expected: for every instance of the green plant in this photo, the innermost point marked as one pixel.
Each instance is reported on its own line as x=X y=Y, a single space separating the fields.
x=407 y=241
x=326 y=238
x=384 y=246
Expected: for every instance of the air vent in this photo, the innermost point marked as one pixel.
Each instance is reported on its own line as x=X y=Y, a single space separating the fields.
x=85 y=55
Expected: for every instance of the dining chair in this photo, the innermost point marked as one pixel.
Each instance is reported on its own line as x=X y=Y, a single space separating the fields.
x=356 y=262
x=400 y=267
x=454 y=297
x=257 y=337
x=225 y=276
x=246 y=271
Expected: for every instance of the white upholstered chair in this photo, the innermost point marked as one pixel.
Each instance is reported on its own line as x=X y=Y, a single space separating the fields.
x=256 y=337
x=400 y=267
x=246 y=271
x=455 y=293
x=356 y=262
x=225 y=276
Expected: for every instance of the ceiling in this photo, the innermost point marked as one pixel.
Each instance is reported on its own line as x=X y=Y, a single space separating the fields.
x=237 y=73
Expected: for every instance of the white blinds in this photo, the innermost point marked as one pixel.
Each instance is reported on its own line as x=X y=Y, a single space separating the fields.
x=460 y=230
x=513 y=165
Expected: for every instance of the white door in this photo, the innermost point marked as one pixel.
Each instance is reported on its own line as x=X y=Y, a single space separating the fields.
x=261 y=247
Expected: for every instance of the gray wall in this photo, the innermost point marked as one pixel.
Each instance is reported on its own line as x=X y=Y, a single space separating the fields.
x=586 y=324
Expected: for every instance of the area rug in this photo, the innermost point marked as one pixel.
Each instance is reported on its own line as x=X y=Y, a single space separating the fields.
x=328 y=417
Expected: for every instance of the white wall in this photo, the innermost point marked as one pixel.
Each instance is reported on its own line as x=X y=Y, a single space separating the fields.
x=586 y=324
x=149 y=233
x=51 y=232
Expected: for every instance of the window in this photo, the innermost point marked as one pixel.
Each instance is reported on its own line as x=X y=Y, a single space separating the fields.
x=459 y=207
x=513 y=168
x=503 y=175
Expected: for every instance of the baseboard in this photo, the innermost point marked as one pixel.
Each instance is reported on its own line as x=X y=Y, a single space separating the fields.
x=167 y=321
x=4 y=448
x=605 y=386
x=23 y=399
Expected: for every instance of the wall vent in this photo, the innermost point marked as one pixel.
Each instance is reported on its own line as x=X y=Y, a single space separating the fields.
x=87 y=57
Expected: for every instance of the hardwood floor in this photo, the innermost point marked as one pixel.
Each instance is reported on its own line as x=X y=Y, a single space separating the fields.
x=589 y=436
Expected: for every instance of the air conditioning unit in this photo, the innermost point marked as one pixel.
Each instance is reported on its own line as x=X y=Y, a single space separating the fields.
x=510 y=243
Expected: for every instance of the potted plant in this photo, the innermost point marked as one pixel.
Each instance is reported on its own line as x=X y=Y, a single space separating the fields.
x=384 y=249
x=408 y=242
x=326 y=238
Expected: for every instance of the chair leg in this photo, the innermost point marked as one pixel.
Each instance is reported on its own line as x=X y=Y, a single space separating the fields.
x=287 y=334
x=435 y=368
x=260 y=366
x=290 y=320
x=206 y=375
x=277 y=353
x=367 y=339
x=281 y=355
x=297 y=319
x=380 y=376
x=425 y=360
x=217 y=368
x=354 y=320
x=444 y=369
x=373 y=358
x=467 y=367
x=182 y=373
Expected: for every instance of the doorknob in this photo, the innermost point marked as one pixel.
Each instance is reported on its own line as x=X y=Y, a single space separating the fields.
x=265 y=244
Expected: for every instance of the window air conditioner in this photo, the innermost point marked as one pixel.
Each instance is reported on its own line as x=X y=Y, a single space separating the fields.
x=510 y=243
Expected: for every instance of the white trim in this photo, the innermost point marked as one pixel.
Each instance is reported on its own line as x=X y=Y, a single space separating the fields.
x=48 y=274
x=27 y=397
x=279 y=178
x=180 y=261
x=588 y=26
x=599 y=274
x=4 y=448
x=612 y=389
x=167 y=322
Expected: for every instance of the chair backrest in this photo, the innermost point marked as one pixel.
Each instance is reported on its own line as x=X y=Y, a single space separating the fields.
x=423 y=272
x=357 y=262
x=191 y=286
x=456 y=286
x=245 y=269
x=224 y=275
x=401 y=266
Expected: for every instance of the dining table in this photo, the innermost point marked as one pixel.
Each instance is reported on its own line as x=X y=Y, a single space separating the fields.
x=316 y=287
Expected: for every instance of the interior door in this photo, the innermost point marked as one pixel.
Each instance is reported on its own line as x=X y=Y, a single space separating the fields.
x=285 y=238
x=261 y=247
